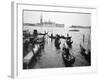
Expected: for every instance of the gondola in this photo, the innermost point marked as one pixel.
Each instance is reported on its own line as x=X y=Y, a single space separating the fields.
x=57 y=43
x=36 y=50
x=88 y=57
x=53 y=37
x=41 y=42
x=42 y=33
x=83 y=50
x=68 y=58
x=63 y=37
x=69 y=43
x=86 y=54
x=74 y=30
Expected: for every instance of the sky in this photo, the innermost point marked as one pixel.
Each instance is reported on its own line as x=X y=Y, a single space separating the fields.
x=62 y=18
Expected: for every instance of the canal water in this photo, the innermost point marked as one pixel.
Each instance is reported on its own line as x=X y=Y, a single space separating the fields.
x=50 y=57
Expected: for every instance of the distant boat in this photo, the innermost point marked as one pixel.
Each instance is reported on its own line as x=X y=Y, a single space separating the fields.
x=75 y=30
x=82 y=27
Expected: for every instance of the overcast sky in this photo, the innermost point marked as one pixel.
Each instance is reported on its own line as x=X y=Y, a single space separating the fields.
x=62 y=18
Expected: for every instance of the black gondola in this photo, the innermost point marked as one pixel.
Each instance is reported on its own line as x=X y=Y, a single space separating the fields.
x=69 y=43
x=88 y=57
x=87 y=54
x=63 y=37
x=57 y=42
x=83 y=50
x=67 y=57
x=53 y=37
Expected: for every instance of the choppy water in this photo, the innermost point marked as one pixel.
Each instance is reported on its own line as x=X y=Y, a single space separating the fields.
x=50 y=57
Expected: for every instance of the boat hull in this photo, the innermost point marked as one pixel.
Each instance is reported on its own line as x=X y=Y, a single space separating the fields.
x=68 y=60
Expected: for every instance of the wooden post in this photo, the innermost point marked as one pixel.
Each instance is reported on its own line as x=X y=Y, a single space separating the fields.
x=83 y=38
